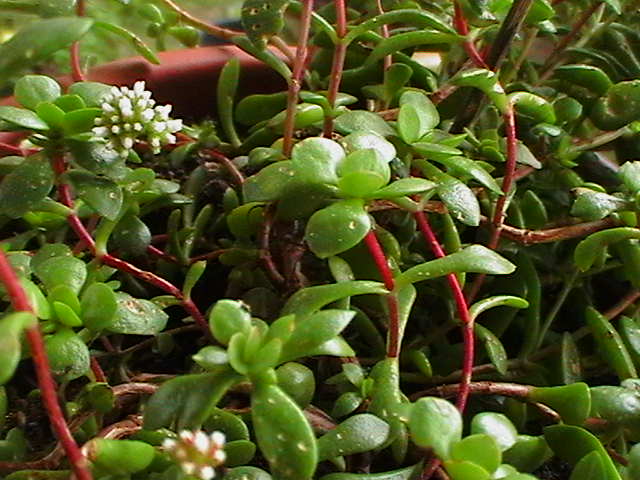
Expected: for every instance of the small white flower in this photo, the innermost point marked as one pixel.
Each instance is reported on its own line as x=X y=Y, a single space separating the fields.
x=197 y=453
x=130 y=115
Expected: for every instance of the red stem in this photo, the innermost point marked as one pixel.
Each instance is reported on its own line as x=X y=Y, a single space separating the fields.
x=337 y=65
x=76 y=70
x=463 y=311
x=385 y=34
x=296 y=76
x=59 y=168
x=47 y=386
x=507 y=182
x=380 y=259
x=462 y=27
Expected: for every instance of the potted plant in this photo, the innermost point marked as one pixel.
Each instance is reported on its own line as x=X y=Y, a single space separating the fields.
x=405 y=247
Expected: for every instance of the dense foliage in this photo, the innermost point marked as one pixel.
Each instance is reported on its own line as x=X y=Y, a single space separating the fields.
x=420 y=260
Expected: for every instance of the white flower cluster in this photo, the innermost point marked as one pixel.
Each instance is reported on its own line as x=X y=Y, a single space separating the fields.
x=131 y=114
x=197 y=453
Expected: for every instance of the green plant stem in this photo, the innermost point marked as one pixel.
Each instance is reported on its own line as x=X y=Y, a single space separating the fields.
x=557 y=305
x=189 y=19
x=501 y=204
x=463 y=311
x=380 y=260
x=76 y=68
x=48 y=389
x=600 y=140
x=337 y=65
x=295 y=83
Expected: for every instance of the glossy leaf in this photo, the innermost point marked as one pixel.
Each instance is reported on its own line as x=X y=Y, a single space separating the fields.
x=620 y=106
x=26 y=186
x=186 y=401
x=136 y=316
x=462 y=165
x=358 y=434
x=337 y=228
x=494 y=348
x=404 y=40
x=100 y=193
x=33 y=89
x=407 y=473
x=533 y=106
x=572 y=402
x=359 y=140
x=64 y=270
x=486 y=81
x=497 y=426
x=417 y=116
x=12 y=326
x=435 y=423
x=362 y=121
x=528 y=453
x=590 y=467
x=136 y=42
x=284 y=436
x=297 y=381
x=68 y=354
x=476 y=259
x=247 y=473
x=465 y=470
x=403 y=187
x=227 y=318
x=588 y=249
x=98 y=306
x=587 y=76
x=316 y=160
x=120 y=457
x=618 y=405
x=311 y=299
x=480 y=449
x=591 y=205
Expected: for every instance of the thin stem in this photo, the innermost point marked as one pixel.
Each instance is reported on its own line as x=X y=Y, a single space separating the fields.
x=266 y=258
x=76 y=69
x=385 y=34
x=501 y=204
x=77 y=226
x=380 y=260
x=462 y=27
x=462 y=307
x=337 y=66
x=548 y=235
x=562 y=297
x=558 y=52
x=238 y=178
x=188 y=18
x=296 y=76
x=48 y=389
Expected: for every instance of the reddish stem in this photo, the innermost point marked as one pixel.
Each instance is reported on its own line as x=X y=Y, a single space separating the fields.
x=77 y=226
x=507 y=182
x=47 y=386
x=296 y=76
x=462 y=27
x=97 y=371
x=380 y=259
x=463 y=311
x=385 y=34
x=76 y=69
x=337 y=66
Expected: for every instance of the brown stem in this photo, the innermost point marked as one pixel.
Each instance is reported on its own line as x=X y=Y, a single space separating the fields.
x=266 y=258
x=337 y=66
x=385 y=34
x=296 y=76
x=76 y=69
x=558 y=52
x=229 y=165
x=48 y=389
x=215 y=30
x=531 y=237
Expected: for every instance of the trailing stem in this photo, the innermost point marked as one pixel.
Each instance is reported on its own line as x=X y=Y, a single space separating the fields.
x=76 y=68
x=48 y=389
x=337 y=65
x=462 y=27
x=296 y=76
x=463 y=311
x=80 y=230
x=380 y=259
x=501 y=204
x=385 y=34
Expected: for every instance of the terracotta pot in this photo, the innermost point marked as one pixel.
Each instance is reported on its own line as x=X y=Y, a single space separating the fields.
x=185 y=78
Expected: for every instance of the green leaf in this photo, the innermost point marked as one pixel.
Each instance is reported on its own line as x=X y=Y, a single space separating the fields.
x=534 y=211
x=588 y=249
x=465 y=166
x=64 y=270
x=135 y=316
x=136 y=42
x=533 y=106
x=80 y=121
x=497 y=426
x=403 y=187
x=360 y=140
x=494 y=348
x=92 y=93
x=120 y=457
x=633 y=468
x=12 y=327
x=362 y=121
x=592 y=205
x=297 y=381
x=358 y=434
x=572 y=402
x=528 y=453
x=619 y=107
x=21 y=118
x=570 y=360
x=417 y=116
x=69 y=103
x=186 y=401
x=269 y=183
x=464 y=470
x=571 y=443
x=101 y=194
x=362 y=172
x=484 y=80
x=225 y=94
x=473 y=259
x=480 y=449
x=404 y=40
x=30 y=90
x=227 y=318
x=435 y=423
x=629 y=173
x=131 y=235
x=587 y=76
x=316 y=160
x=38 y=40
x=337 y=228
x=98 y=306
x=590 y=467
x=26 y=186
x=314 y=331
x=68 y=355
x=283 y=433
x=407 y=473
x=310 y=299
x=247 y=473
x=496 y=301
